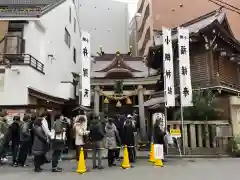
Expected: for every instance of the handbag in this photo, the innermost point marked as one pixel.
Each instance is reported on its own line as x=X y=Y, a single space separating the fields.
x=85 y=138
x=47 y=146
x=118 y=139
x=169 y=139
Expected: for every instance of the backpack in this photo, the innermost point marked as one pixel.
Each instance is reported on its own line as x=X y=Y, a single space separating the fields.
x=58 y=127
x=96 y=133
x=24 y=129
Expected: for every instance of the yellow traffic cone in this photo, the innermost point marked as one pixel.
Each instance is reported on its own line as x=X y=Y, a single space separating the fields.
x=152 y=154
x=125 y=164
x=159 y=162
x=81 y=168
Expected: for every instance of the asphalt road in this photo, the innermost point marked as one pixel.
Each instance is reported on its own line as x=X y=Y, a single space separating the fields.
x=175 y=169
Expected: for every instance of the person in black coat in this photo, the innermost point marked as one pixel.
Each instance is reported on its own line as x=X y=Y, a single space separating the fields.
x=158 y=133
x=96 y=136
x=15 y=138
x=25 y=137
x=33 y=118
x=58 y=141
x=40 y=145
x=129 y=139
x=119 y=121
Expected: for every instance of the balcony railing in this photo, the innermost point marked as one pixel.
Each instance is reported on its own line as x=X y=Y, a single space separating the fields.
x=21 y=59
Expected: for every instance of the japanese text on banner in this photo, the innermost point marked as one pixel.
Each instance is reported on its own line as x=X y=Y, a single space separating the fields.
x=158 y=150
x=184 y=67
x=168 y=68
x=86 y=65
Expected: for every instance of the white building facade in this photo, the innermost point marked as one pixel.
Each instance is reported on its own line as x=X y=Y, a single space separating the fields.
x=41 y=68
x=107 y=22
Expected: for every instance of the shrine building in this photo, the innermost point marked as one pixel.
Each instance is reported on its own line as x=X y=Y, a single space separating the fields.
x=214 y=64
x=121 y=84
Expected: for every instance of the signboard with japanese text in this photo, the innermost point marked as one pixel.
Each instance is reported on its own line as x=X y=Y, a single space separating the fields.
x=184 y=67
x=168 y=68
x=158 y=151
x=86 y=68
x=175 y=133
x=14 y=112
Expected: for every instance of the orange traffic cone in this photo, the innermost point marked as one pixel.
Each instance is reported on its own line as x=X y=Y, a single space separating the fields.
x=159 y=162
x=81 y=168
x=152 y=154
x=125 y=164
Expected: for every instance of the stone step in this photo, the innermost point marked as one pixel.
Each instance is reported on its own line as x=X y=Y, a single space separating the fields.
x=198 y=151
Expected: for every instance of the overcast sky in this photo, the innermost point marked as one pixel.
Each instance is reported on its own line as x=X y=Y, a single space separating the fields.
x=132 y=7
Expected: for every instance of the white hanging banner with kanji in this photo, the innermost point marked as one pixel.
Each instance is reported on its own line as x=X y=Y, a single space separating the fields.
x=168 y=68
x=85 y=72
x=184 y=67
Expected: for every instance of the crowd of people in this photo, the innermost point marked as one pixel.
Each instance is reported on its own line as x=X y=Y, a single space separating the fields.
x=33 y=134
x=111 y=134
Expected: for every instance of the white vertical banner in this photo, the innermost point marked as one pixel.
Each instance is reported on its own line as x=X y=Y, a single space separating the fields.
x=168 y=68
x=184 y=67
x=86 y=69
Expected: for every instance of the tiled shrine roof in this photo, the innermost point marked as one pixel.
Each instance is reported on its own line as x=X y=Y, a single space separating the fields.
x=122 y=63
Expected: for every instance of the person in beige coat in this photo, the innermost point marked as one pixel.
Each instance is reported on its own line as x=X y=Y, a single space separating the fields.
x=111 y=139
x=80 y=129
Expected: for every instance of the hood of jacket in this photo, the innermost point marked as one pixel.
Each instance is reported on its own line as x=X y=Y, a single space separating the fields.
x=110 y=127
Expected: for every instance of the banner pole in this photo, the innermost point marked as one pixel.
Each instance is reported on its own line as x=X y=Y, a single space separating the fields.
x=166 y=125
x=183 y=131
x=166 y=121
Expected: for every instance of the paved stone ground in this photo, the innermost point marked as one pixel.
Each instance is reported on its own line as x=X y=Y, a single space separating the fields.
x=179 y=169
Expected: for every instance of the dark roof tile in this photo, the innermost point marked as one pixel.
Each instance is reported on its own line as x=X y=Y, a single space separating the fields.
x=26 y=2
x=26 y=8
x=110 y=57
